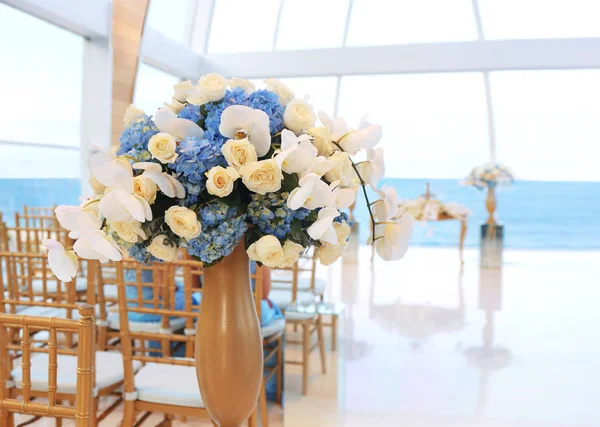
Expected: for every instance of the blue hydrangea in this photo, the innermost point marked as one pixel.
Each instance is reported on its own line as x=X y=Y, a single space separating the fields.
x=268 y=102
x=196 y=156
x=343 y=217
x=261 y=99
x=134 y=139
x=214 y=213
x=140 y=253
x=191 y=112
x=271 y=214
x=219 y=240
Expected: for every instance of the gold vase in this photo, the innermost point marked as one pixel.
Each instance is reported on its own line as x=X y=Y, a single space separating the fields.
x=229 y=355
x=490 y=204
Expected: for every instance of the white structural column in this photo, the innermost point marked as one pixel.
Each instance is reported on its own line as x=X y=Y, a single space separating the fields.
x=487 y=85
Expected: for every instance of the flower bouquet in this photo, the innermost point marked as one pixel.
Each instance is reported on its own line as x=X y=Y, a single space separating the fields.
x=222 y=161
x=490 y=175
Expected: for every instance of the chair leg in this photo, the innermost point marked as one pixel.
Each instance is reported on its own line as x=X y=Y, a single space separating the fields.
x=7 y=419
x=94 y=414
x=280 y=371
x=334 y=333
x=128 y=414
x=305 y=356
x=264 y=412
x=321 y=344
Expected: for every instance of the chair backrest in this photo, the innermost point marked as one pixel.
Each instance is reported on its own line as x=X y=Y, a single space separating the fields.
x=82 y=411
x=155 y=297
x=37 y=217
x=30 y=239
x=306 y=263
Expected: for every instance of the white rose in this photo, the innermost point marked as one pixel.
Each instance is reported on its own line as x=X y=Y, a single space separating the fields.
x=145 y=188
x=262 y=177
x=238 y=152
x=299 y=115
x=130 y=231
x=266 y=250
x=181 y=90
x=291 y=253
x=162 y=146
x=183 y=222
x=322 y=140
x=247 y=85
x=96 y=185
x=132 y=115
x=162 y=248
x=283 y=92
x=220 y=180
x=329 y=253
x=212 y=87
x=342 y=170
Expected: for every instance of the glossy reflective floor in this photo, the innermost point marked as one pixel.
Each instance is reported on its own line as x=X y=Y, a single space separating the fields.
x=426 y=343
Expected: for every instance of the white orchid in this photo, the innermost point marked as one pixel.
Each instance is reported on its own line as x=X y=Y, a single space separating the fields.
x=167 y=183
x=323 y=229
x=366 y=136
x=337 y=127
x=167 y=121
x=387 y=206
x=341 y=198
x=62 y=263
x=391 y=241
x=119 y=205
x=311 y=193
x=77 y=219
x=112 y=171
x=96 y=245
x=373 y=169
x=297 y=153
x=240 y=121
x=320 y=165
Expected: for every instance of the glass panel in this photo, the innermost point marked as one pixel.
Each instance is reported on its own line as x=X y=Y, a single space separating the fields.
x=434 y=125
x=383 y=22
x=39 y=162
x=170 y=18
x=243 y=26
x=547 y=123
x=40 y=80
x=519 y=19
x=320 y=91
x=153 y=87
x=327 y=20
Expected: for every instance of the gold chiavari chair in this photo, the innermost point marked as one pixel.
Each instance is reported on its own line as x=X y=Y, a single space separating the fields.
x=60 y=303
x=273 y=336
x=41 y=375
x=37 y=217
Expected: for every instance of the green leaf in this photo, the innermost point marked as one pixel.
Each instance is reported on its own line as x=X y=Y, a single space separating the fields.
x=252 y=235
x=233 y=200
x=290 y=182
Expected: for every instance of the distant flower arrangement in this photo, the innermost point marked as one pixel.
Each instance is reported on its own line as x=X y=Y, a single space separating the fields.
x=222 y=161
x=489 y=175
x=423 y=209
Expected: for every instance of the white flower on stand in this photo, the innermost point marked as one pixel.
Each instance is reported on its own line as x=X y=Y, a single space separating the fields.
x=162 y=248
x=77 y=219
x=183 y=222
x=238 y=152
x=167 y=183
x=244 y=84
x=132 y=115
x=322 y=229
x=283 y=92
x=366 y=136
x=337 y=127
x=373 y=169
x=119 y=205
x=329 y=253
x=62 y=263
x=341 y=198
x=387 y=206
x=297 y=153
x=130 y=231
x=299 y=115
x=342 y=170
x=167 y=121
x=182 y=90
x=110 y=170
x=322 y=140
x=97 y=245
x=262 y=177
x=220 y=180
x=311 y=193
x=391 y=241
x=269 y=251
x=163 y=147
x=210 y=88
x=320 y=165
x=240 y=121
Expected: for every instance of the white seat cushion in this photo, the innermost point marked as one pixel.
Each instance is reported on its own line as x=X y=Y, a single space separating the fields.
x=168 y=384
x=109 y=371
x=291 y=316
x=283 y=298
x=176 y=324
x=38 y=285
x=274 y=327
x=303 y=285
x=111 y=292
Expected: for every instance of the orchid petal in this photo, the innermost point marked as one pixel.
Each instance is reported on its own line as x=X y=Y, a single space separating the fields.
x=75 y=218
x=112 y=171
x=112 y=209
x=132 y=205
x=63 y=264
x=167 y=121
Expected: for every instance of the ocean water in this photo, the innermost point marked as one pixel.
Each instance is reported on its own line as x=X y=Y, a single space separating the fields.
x=536 y=215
